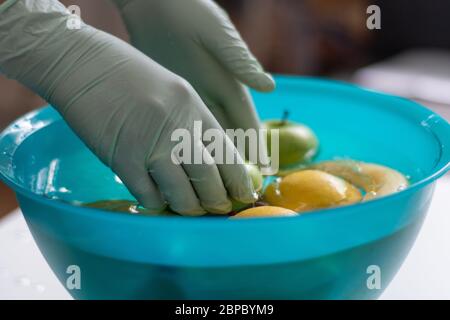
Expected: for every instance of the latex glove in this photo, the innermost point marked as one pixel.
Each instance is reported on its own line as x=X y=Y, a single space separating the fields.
x=121 y=103
x=196 y=40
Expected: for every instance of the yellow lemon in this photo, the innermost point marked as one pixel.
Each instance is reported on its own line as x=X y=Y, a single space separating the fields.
x=265 y=212
x=309 y=190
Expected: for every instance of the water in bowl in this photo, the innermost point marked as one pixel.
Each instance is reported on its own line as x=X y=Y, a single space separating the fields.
x=72 y=173
x=342 y=275
x=349 y=123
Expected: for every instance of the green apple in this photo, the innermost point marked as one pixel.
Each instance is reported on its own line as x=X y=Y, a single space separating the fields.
x=255 y=175
x=297 y=143
x=257 y=180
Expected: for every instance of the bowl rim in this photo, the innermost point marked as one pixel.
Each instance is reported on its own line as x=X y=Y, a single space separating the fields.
x=209 y=221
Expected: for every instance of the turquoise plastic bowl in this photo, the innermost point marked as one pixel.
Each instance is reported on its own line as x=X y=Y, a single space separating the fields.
x=328 y=254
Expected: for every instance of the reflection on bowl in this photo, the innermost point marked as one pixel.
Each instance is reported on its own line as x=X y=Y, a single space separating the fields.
x=328 y=254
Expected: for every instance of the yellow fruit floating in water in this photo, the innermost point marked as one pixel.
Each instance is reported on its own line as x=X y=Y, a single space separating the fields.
x=310 y=190
x=323 y=185
x=376 y=180
x=265 y=212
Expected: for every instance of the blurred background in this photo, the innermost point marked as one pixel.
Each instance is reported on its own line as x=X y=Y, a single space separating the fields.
x=408 y=56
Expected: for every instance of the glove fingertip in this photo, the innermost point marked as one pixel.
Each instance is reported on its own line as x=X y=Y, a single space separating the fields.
x=219 y=208
x=151 y=202
x=247 y=198
x=192 y=212
x=262 y=82
x=247 y=195
x=266 y=83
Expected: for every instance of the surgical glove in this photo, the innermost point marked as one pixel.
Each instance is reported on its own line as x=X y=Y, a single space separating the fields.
x=122 y=104
x=196 y=40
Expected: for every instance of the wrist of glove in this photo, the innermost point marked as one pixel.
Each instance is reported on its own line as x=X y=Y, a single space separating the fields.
x=122 y=104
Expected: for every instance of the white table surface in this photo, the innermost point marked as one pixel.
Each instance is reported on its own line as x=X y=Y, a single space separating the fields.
x=24 y=274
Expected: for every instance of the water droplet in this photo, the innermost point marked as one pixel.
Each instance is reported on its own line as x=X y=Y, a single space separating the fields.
x=39 y=288
x=372 y=193
x=134 y=209
x=24 y=281
x=432 y=119
x=117 y=179
x=64 y=190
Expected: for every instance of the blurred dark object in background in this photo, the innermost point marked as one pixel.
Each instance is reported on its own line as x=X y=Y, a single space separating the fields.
x=304 y=37
x=410 y=24
x=322 y=37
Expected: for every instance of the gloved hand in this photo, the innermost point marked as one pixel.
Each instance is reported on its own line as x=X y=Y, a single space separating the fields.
x=196 y=40
x=121 y=103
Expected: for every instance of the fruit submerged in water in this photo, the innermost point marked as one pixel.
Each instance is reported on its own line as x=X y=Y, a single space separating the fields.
x=112 y=205
x=310 y=190
x=257 y=181
x=255 y=175
x=126 y=206
x=297 y=143
x=265 y=212
x=376 y=180
x=238 y=206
